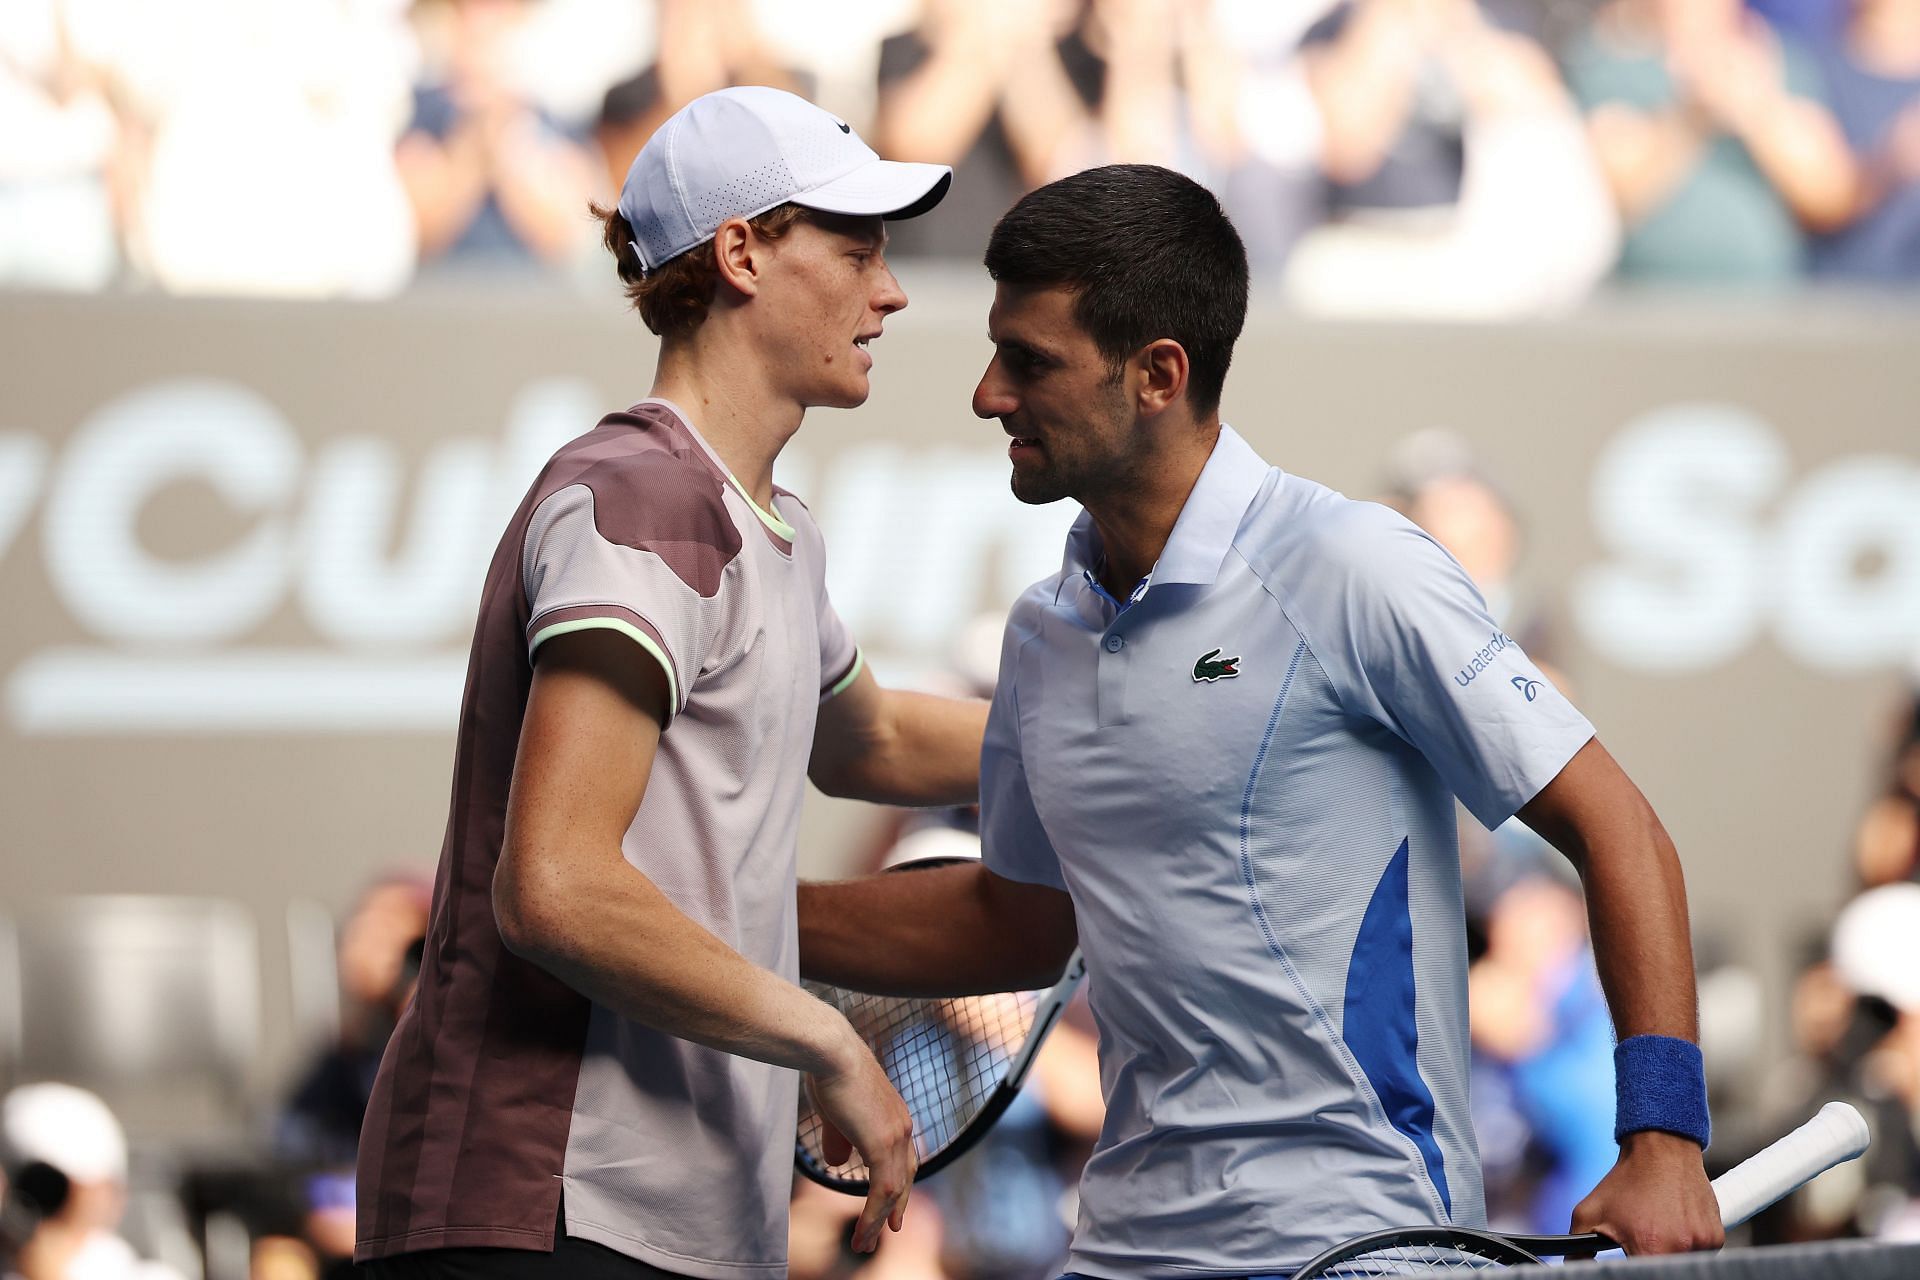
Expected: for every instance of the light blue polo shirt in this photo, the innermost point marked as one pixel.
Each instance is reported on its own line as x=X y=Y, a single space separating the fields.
x=1244 y=776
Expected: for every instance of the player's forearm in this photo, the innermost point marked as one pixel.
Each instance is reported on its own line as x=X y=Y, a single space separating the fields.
x=936 y=932
x=1636 y=897
x=1637 y=910
x=918 y=750
x=614 y=937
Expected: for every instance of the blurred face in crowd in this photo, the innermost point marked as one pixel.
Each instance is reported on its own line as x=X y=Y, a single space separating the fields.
x=374 y=941
x=476 y=38
x=823 y=292
x=1074 y=433
x=1472 y=523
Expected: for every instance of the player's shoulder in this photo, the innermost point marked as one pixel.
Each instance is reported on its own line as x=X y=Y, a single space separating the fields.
x=643 y=488
x=1304 y=531
x=1023 y=618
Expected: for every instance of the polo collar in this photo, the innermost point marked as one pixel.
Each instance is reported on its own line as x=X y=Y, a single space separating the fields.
x=1204 y=532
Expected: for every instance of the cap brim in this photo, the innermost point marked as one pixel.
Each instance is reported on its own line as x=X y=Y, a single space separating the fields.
x=889 y=188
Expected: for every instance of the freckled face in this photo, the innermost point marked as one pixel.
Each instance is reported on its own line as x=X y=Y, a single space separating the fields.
x=828 y=290
x=1073 y=429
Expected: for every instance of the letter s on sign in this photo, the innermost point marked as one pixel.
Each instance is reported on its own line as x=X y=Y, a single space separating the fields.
x=1676 y=498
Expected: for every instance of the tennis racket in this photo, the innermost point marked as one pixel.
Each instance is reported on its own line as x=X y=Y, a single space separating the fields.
x=957 y=1063
x=1835 y=1135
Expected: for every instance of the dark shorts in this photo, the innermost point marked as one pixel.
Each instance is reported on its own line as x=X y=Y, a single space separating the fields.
x=571 y=1259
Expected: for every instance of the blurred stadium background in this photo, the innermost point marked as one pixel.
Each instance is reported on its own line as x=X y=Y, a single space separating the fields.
x=1617 y=299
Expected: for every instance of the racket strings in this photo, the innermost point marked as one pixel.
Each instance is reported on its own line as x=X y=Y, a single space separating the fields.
x=1412 y=1260
x=945 y=1057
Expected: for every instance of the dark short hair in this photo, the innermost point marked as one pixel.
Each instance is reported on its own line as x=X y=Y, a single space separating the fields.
x=673 y=298
x=1148 y=254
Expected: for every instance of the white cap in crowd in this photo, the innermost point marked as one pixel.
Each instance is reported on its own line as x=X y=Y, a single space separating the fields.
x=739 y=152
x=1876 y=945
x=66 y=1127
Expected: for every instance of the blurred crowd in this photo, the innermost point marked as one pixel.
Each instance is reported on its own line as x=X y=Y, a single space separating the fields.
x=1428 y=157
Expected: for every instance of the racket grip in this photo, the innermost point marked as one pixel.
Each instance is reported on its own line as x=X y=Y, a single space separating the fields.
x=1835 y=1135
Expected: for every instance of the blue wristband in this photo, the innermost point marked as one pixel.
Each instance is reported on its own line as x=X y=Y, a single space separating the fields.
x=1660 y=1082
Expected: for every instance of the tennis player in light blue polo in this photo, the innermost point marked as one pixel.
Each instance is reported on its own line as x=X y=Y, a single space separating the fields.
x=1222 y=756
x=1243 y=773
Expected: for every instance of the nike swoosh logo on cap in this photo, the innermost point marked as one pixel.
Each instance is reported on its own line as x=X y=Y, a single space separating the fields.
x=844 y=128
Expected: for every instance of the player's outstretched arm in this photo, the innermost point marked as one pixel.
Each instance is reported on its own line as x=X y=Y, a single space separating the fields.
x=1657 y=1198
x=566 y=899
x=942 y=931
x=892 y=746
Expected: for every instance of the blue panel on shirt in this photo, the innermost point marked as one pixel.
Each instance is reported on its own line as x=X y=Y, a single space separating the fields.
x=1380 y=1021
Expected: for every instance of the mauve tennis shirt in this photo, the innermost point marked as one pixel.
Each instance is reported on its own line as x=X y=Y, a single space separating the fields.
x=502 y=1087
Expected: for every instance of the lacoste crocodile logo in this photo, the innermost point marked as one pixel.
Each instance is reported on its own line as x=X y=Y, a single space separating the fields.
x=1210 y=666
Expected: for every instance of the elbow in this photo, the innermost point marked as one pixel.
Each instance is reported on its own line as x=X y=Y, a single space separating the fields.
x=833 y=777
x=854 y=770
x=1045 y=970
x=523 y=911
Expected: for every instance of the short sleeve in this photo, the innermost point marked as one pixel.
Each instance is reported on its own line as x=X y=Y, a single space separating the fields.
x=840 y=658
x=654 y=577
x=1013 y=843
x=1408 y=641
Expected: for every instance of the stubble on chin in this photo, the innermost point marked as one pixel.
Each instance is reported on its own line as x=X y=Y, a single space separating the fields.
x=1036 y=490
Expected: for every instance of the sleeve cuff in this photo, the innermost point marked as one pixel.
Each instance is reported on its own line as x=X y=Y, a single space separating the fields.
x=839 y=686
x=560 y=622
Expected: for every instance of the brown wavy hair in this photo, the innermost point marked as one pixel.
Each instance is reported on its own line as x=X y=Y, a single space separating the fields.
x=673 y=299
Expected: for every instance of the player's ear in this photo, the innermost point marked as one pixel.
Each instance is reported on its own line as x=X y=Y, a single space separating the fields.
x=1163 y=372
x=736 y=256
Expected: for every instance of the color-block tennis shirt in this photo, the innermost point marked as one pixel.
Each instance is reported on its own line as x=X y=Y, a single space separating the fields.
x=503 y=1087
x=1244 y=778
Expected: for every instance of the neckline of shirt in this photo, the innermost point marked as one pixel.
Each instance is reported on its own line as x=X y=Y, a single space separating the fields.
x=1204 y=531
x=772 y=520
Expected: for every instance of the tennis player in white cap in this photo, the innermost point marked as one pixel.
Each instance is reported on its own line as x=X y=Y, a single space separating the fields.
x=597 y=1076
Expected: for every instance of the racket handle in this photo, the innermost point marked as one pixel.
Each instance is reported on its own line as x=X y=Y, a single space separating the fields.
x=1835 y=1135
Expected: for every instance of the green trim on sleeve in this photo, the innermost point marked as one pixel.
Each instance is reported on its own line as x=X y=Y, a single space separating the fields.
x=632 y=633
x=840 y=685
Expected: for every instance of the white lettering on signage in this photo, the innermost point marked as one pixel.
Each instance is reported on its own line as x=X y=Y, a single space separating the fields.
x=1712 y=547
x=23 y=460
x=919 y=541
x=226 y=436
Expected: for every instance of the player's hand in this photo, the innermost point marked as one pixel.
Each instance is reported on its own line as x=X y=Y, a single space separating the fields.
x=1656 y=1199
x=862 y=1110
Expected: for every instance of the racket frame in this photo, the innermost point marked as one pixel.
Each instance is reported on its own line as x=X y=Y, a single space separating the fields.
x=1835 y=1135
x=1046 y=1015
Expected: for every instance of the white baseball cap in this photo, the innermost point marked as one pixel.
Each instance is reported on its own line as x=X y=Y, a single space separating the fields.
x=1876 y=945
x=66 y=1127
x=738 y=152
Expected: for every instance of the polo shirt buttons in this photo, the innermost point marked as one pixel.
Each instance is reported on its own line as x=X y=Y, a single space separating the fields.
x=1115 y=643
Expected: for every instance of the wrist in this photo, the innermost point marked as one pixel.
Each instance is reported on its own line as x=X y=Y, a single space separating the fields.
x=835 y=1048
x=1660 y=1085
x=1658 y=1144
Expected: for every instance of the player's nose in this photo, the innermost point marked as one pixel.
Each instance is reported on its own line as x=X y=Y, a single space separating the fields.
x=993 y=397
x=890 y=296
